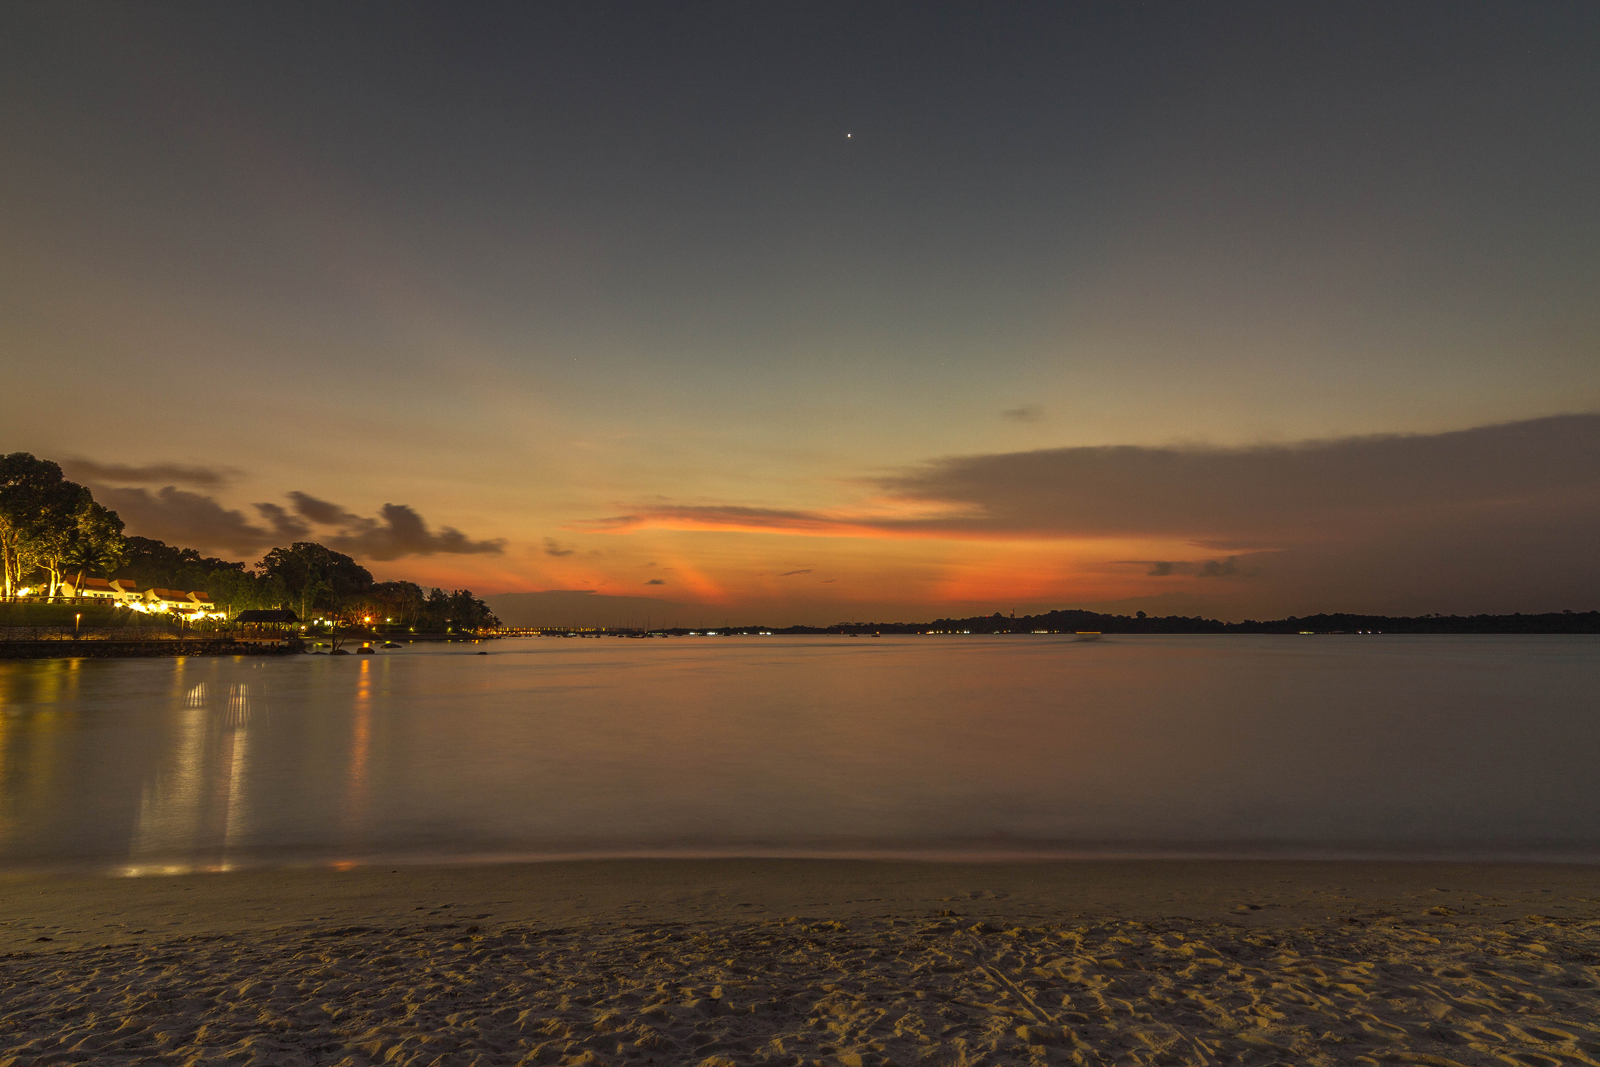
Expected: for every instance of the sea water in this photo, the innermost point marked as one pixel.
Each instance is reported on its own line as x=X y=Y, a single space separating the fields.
x=912 y=746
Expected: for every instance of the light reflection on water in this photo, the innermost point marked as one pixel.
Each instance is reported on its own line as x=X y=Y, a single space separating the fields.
x=925 y=746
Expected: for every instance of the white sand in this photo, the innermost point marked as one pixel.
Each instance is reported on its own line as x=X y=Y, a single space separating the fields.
x=717 y=962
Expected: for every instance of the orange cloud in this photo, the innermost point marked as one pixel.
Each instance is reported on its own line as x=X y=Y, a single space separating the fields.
x=1494 y=517
x=895 y=519
x=1262 y=497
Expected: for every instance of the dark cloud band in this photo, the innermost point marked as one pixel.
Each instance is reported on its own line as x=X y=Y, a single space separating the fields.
x=1238 y=498
x=181 y=517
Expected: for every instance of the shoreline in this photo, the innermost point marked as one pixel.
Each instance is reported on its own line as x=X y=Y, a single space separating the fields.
x=671 y=888
x=91 y=647
x=734 y=961
x=948 y=855
x=96 y=648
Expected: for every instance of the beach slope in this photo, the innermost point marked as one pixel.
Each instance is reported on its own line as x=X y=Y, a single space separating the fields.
x=798 y=962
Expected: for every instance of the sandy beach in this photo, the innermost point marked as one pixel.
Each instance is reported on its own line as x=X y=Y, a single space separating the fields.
x=808 y=962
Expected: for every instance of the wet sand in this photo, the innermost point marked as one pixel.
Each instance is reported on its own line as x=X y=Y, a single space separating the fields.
x=799 y=962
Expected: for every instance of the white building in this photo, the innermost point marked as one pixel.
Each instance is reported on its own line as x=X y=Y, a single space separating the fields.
x=128 y=591
x=174 y=600
x=90 y=589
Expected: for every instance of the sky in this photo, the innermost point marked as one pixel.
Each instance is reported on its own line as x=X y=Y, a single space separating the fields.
x=825 y=312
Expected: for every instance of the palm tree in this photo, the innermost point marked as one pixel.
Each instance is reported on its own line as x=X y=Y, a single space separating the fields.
x=85 y=555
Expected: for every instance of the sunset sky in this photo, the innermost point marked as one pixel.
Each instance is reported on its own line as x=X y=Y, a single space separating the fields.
x=813 y=312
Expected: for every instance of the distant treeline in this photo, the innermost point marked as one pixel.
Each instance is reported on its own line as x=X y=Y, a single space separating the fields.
x=1563 y=622
x=311 y=579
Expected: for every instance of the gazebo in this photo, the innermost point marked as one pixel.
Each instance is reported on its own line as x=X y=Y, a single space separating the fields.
x=268 y=625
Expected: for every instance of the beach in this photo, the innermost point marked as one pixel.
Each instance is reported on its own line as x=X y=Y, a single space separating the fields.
x=845 y=962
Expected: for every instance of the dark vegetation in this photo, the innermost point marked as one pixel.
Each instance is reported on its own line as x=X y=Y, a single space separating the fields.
x=1564 y=622
x=1056 y=622
x=51 y=531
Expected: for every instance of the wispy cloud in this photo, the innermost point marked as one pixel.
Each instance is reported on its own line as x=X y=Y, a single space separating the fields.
x=552 y=547
x=397 y=531
x=1027 y=413
x=88 y=470
x=322 y=512
x=195 y=520
x=791 y=574
x=1209 y=568
x=285 y=527
x=180 y=517
x=716 y=516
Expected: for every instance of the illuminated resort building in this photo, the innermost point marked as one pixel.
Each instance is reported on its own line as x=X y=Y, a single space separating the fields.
x=90 y=589
x=125 y=591
x=120 y=590
x=177 y=601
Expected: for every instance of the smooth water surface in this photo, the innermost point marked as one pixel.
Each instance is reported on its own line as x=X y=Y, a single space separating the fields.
x=1004 y=745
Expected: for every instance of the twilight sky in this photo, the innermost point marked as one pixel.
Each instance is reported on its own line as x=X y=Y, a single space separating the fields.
x=811 y=312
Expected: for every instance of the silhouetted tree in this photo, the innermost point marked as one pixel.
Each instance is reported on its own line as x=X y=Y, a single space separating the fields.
x=315 y=575
x=38 y=512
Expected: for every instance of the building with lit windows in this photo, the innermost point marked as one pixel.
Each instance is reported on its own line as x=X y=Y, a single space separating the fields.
x=90 y=589
x=175 y=600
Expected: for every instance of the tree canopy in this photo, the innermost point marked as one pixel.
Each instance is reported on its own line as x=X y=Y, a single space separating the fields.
x=44 y=518
x=314 y=574
x=53 y=527
x=232 y=586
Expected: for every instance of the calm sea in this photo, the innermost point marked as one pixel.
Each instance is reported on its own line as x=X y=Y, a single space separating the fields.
x=957 y=746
